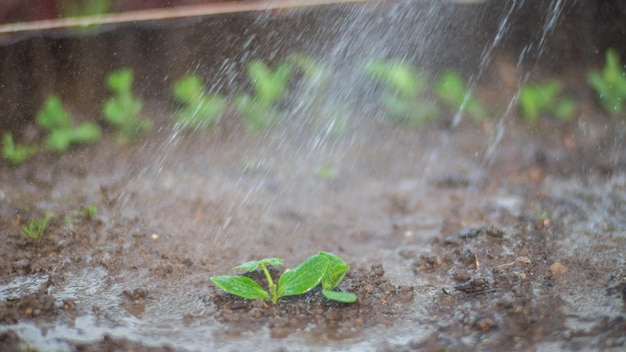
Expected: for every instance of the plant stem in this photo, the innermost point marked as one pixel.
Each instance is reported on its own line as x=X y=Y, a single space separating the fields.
x=270 y=282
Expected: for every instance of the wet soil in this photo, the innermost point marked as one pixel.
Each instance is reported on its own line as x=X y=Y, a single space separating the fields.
x=491 y=235
x=447 y=251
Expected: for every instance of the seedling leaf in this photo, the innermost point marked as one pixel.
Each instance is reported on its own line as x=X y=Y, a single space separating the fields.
x=53 y=115
x=254 y=264
x=336 y=271
x=303 y=277
x=188 y=89
x=399 y=76
x=452 y=91
x=120 y=81
x=17 y=154
x=346 y=297
x=241 y=286
x=269 y=85
x=610 y=84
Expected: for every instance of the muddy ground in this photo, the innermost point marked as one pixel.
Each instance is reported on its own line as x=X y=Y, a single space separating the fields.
x=491 y=235
x=447 y=252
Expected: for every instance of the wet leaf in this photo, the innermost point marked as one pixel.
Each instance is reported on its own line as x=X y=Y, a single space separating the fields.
x=336 y=271
x=53 y=115
x=120 y=81
x=254 y=264
x=188 y=89
x=345 y=297
x=303 y=277
x=240 y=286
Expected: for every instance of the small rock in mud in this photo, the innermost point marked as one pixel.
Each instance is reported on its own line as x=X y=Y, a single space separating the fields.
x=558 y=269
x=188 y=263
x=68 y=304
x=468 y=234
x=493 y=231
x=136 y=294
x=426 y=263
x=476 y=285
x=485 y=324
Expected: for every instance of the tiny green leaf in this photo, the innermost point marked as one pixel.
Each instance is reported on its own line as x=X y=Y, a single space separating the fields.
x=269 y=85
x=241 y=286
x=303 y=277
x=336 y=271
x=188 y=89
x=120 y=81
x=17 y=154
x=88 y=132
x=399 y=76
x=254 y=264
x=610 y=84
x=53 y=115
x=346 y=297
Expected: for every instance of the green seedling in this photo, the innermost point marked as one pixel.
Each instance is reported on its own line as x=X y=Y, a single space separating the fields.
x=57 y=122
x=452 y=91
x=313 y=71
x=538 y=99
x=37 y=227
x=17 y=154
x=90 y=212
x=325 y=268
x=325 y=172
x=610 y=84
x=199 y=109
x=270 y=86
x=122 y=109
x=403 y=96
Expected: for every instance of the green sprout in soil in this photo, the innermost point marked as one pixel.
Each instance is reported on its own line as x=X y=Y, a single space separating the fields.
x=122 y=109
x=37 y=227
x=57 y=121
x=453 y=92
x=14 y=153
x=90 y=212
x=403 y=96
x=610 y=84
x=538 y=99
x=270 y=86
x=325 y=268
x=199 y=109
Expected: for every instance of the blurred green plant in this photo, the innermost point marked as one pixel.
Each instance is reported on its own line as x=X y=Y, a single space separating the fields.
x=85 y=8
x=325 y=172
x=403 y=97
x=122 y=109
x=270 y=86
x=57 y=122
x=199 y=109
x=90 y=212
x=332 y=114
x=610 y=84
x=17 y=154
x=547 y=98
x=452 y=91
x=325 y=268
x=37 y=227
